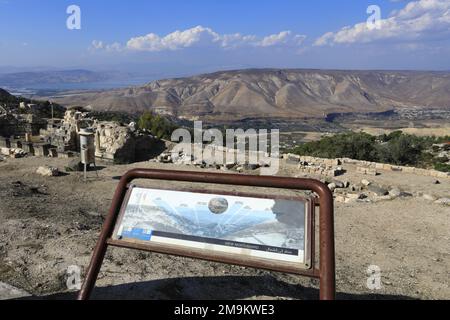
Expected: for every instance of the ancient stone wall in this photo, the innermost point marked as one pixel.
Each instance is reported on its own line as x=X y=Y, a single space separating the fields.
x=312 y=165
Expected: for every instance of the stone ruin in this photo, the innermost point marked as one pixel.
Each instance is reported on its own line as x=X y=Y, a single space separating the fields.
x=333 y=167
x=317 y=166
x=122 y=144
x=60 y=138
x=218 y=157
x=12 y=124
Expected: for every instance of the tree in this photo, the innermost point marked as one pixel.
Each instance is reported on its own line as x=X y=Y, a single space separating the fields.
x=157 y=125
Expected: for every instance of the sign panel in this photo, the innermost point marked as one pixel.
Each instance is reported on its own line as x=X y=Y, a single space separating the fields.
x=275 y=229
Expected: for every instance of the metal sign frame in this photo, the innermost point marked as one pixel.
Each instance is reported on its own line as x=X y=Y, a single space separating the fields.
x=325 y=273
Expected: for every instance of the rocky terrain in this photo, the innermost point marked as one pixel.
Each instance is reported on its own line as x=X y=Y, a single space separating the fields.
x=48 y=223
x=262 y=93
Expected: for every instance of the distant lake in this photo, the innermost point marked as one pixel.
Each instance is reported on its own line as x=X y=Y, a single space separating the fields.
x=44 y=89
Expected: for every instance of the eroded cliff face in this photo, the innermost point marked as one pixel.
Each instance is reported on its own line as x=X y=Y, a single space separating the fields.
x=275 y=93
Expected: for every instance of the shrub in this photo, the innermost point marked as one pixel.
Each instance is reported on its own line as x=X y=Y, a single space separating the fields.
x=396 y=148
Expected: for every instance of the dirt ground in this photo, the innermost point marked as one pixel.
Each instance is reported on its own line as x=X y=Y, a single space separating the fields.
x=48 y=224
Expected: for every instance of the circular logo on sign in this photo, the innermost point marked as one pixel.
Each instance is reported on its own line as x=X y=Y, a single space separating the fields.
x=218 y=205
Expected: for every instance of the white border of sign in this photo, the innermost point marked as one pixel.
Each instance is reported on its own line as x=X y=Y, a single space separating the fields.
x=301 y=261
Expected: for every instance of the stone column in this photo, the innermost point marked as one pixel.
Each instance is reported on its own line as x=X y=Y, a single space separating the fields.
x=97 y=142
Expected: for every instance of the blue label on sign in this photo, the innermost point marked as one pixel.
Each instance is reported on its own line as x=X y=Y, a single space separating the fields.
x=137 y=233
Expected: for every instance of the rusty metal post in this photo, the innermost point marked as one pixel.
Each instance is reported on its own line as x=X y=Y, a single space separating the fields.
x=326 y=218
x=101 y=246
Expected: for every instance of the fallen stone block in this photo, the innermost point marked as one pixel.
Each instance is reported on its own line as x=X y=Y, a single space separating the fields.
x=443 y=201
x=17 y=153
x=5 y=151
x=395 y=192
x=367 y=171
x=383 y=198
x=429 y=197
x=74 y=165
x=377 y=190
x=47 y=171
x=356 y=196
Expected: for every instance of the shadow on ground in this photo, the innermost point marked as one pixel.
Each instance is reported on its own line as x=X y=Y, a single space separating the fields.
x=209 y=288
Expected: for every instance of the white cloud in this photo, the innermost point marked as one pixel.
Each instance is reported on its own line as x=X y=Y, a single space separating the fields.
x=283 y=38
x=97 y=45
x=418 y=21
x=201 y=37
x=100 y=45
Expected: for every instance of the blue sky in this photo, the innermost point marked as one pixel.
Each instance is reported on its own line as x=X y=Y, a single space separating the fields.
x=139 y=35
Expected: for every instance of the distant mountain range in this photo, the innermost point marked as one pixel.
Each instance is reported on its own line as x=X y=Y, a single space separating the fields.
x=274 y=93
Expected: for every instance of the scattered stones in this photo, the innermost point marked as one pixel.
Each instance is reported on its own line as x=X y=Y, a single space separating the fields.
x=48 y=171
x=17 y=153
x=230 y=165
x=437 y=182
x=350 y=197
x=365 y=182
x=336 y=185
x=165 y=158
x=13 y=152
x=339 y=184
x=251 y=166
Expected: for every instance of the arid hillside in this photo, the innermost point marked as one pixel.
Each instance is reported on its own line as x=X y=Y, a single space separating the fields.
x=262 y=93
